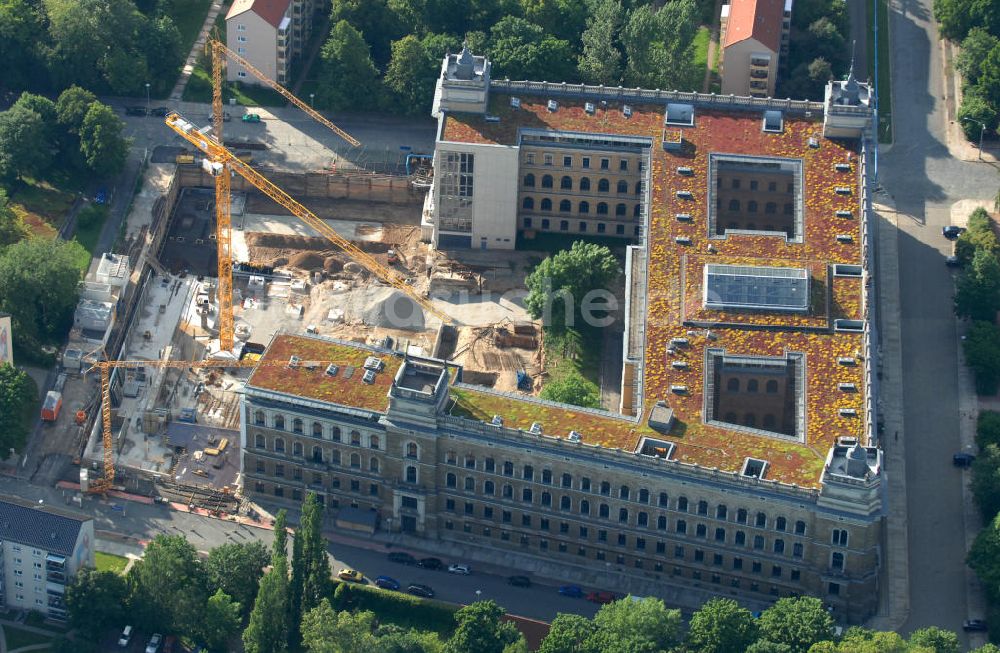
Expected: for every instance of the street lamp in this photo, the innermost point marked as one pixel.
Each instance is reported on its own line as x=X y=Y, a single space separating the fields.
x=478 y=594
x=311 y=97
x=147 y=97
x=982 y=130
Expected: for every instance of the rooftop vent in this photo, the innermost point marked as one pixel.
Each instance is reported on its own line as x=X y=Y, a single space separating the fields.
x=754 y=468
x=843 y=190
x=627 y=111
x=491 y=118
x=684 y=170
x=847 y=387
x=497 y=420
x=678 y=389
x=574 y=436
x=682 y=240
x=310 y=365
x=842 y=167
x=552 y=105
x=331 y=370
x=294 y=361
x=846 y=270
x=773 y=122
x=679 y=365
x=845 y=238
x=589 y=108
x=536 y=428
x=849 y=326
x=845 y=214
x=813 y=142
x=847 y=361
x=374 y=363
x=680 y=114
x=684 y=195
x=847 y=412
x=683 y=217
x=679 y=342
x=515 y=102
x=369 y=377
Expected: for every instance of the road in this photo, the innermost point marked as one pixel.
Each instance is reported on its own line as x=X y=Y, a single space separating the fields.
x=924 y=180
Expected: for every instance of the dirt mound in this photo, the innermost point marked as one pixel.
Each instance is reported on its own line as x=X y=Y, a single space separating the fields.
x=392 y=309
x=307 y=261
x=286 y=241
x=332 y=265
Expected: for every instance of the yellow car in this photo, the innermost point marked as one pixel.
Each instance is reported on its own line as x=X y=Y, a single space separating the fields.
x=351 y=575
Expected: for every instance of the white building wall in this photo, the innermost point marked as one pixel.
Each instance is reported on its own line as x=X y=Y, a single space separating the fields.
x=736 y=67
x=260 y=46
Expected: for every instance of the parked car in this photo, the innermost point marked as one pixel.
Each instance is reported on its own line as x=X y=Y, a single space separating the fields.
x=251 y=117
x=101 y=196
x=572 y=591
x=351 y=575
x=974 y=625
x=602 y=597
x=402 y=558
x=951 y=232
x=135 y=111
x=461 y=570
x=519 y=581
x=420 y=590
x=154 y=643
x=963 y=459
x=159 y=111
x=126 y=637
x=430 y=563
x=169 y=643
x=387 y=583
x=953 y=262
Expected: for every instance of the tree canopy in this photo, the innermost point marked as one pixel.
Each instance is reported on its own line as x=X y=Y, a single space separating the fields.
x=348 y=75
x=168 y=587
x=796 y=622
x=559 y=285
x=719 y=626
x=96 y=601
x=236 y=568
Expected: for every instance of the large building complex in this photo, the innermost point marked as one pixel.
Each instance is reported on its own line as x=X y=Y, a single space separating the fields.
x=268 y=34
x=40 y=552
x=744 y=459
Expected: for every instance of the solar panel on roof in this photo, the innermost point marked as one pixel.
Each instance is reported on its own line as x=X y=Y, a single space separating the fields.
x=762 y=288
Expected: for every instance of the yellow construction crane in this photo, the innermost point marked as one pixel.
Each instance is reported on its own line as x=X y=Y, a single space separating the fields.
x=104 y=484
x=221 y=158
x=223 y=219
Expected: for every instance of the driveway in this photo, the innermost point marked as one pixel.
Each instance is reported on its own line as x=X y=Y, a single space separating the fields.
x=924 y=181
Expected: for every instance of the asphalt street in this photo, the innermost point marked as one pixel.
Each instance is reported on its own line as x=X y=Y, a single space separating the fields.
x=925 y=180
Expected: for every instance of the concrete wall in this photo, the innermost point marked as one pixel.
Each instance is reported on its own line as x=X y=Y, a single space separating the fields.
x=261 y=47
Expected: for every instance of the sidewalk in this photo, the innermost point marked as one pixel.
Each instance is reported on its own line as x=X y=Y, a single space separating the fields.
x=196 y=50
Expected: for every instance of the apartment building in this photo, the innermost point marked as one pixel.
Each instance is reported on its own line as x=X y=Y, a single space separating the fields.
x=754 y=41
x=40 y=552
x=269 y=34
x=744 y=457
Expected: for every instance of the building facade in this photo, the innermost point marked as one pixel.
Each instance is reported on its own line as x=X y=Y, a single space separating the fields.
x=269 y=34
x=40 y=552
x=744 y=458
x=754 y=42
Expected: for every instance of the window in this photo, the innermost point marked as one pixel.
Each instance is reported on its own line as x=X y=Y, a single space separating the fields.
x=564 y=225
x=779 y=546
x=602 y=208
x=661 y=523
x=605 y=164
x=567 y=162
x=833 y=589
x=839 y=537
x=411 y=450
x=546 y=499
x=751 y=207
x=584 y=183
x=489 y=488
x=584 y=507
x=583 y=226
x=699 y=555
x=355 y=438
x=737 y=564
x=260 y=467
x=758 y=542
x=508 y=468
x=584 y=207
x=664 y=500
x=259 y=442
x=752 y=385
x=240 y=27
x=638 y=188
x=526 y=495
x=620 y=229
x=756 y=567
x=545 y=223
x=241 y=39
x=565 y=206
x=566 y=183
x=489 y=465
x=585 y=484
x=642 y=519
x=603 y=186
x=279 y=422
x=837 y=561
x=734 y=205
x=546 y=204
x=528 y=473
x=736 y=184
x=797 y=550
x=741 y=516
x=775 y=571
x=780 y=524
x=547 y=159
x=470 y=483
x=335 y=434
x=620 y=210
x=770 y=208
x=529 y=180
x=546 y=181
x=567 y=480
x=450 y=480
x=700 y=530
x=585 y=162
x=604 y=511
x=243 y=73
x=279 y=445
x=527 y=223
x=279 y=469
x=720 y=535
x=703 y=507
x=356 y=461
x=601 y=227
x=623 y=165
x=565 y=503
x=508 y=491
x=449 y=505
x=761 y=521
x=547 y=476
x=296 y=425
x=258 y=418
x=682 y=526
x=637 y=210
x=682 y=504
x=526 y=521
x=528 y=203
x=800 y=527
x=622 y=187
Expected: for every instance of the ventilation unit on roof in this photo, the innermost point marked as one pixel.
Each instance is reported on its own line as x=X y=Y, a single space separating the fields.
x=496 y=421
x=490 y=118
x=515 y=102
x=679 y=365
x=847 y=270
x=684 y=195
x=678 y=389
x=552 y=105
x=773 y=122
x=847 y=412
x=842 y=167
x=846 y=361
x=369 y=377
x=683 y=217
x=536 y=428
x=754 y=468
x=850 y=326
x=627 y=111
x=845 y=238
x=331 y=370
x=310 y=365
x=682 y=240
x=843 y=190
x=679 y=342
x=847 y=387
x=294 y=361
x=574 y=436
x=374 y=363
x=684 y=170
x=589 y=108
x=813 y=142
x=845 y=214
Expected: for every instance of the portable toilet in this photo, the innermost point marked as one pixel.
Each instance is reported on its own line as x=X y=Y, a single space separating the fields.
x=51 y=406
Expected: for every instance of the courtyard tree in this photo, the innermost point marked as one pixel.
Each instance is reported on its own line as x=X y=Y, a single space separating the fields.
x=96 y=600
x=559 y=285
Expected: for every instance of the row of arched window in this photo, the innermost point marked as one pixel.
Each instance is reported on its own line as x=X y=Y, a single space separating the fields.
x=752 y=385
x=333 y=458
x=566 y=183
x=583 y=208
x=316 y=429
x=770 y=208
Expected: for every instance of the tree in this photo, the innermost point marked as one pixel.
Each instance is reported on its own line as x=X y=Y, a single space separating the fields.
x=563 y=19
x=280 y=545
x=935 y=639
x=22 y=30
x=720 y=626
x=986 y=648
x=982 y=355
x=568 y=276
x=975 y=48
x=988 y=428
x=984 y=558
x=521 y=49
x=798 y=622
x=317 y=578
x=567 y=634
x=327 y=631
x=38 y=287
x=572 y=389
x=17 y=401
x=413 y=70
x=168 y=590
x=45 y=108
x=376 y=18
x=164 y=51
x=978 y=110
x=979 y=235
x=863 y=640
x=826 y=40
x=11 y=228
x=957 y=17
x=393 y=639
x=348 y=76
x=102 y=143
x=635 y=626
x=767 y=646
x=480 y=629
x=295 y=585
x=125 y=72
x=221 y=621
x=24 y=141
x=95 y=600
x=989 y=78
x=236 y=568
x=601 y=61
x=658 y=46
x=72 y=107
x=977 y=293
x=267 y=631
x=986 y=482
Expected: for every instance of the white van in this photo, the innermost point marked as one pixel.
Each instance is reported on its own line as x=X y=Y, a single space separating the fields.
x=126 y=637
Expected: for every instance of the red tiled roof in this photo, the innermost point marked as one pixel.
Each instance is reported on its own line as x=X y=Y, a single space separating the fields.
x=271 y=11
x=755 y=19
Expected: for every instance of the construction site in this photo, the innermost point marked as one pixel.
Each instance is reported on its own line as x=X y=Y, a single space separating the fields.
x=156 y=409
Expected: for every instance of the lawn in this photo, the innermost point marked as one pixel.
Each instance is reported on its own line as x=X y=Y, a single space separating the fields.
x=90 y=221
x=884 y=74
x=41 y=206
x=700 y=47
x=16 y=638
x=576 y=349
x=110 y=562
x=189 y=16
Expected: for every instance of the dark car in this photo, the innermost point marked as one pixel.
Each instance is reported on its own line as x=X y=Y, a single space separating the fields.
x=420 y=590
x=602 y=597
x=519 y=581
x=430 y=563
x=951 y=232
x=402 y=558
x=135 y=111
x=974 y=625
x=963 y=459
x=953 y=262
x=387 y=583
x=572 y=591
x=159 y=111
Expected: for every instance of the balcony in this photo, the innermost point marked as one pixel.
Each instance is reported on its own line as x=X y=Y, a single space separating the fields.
x=56 y=577
x=759 y=63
